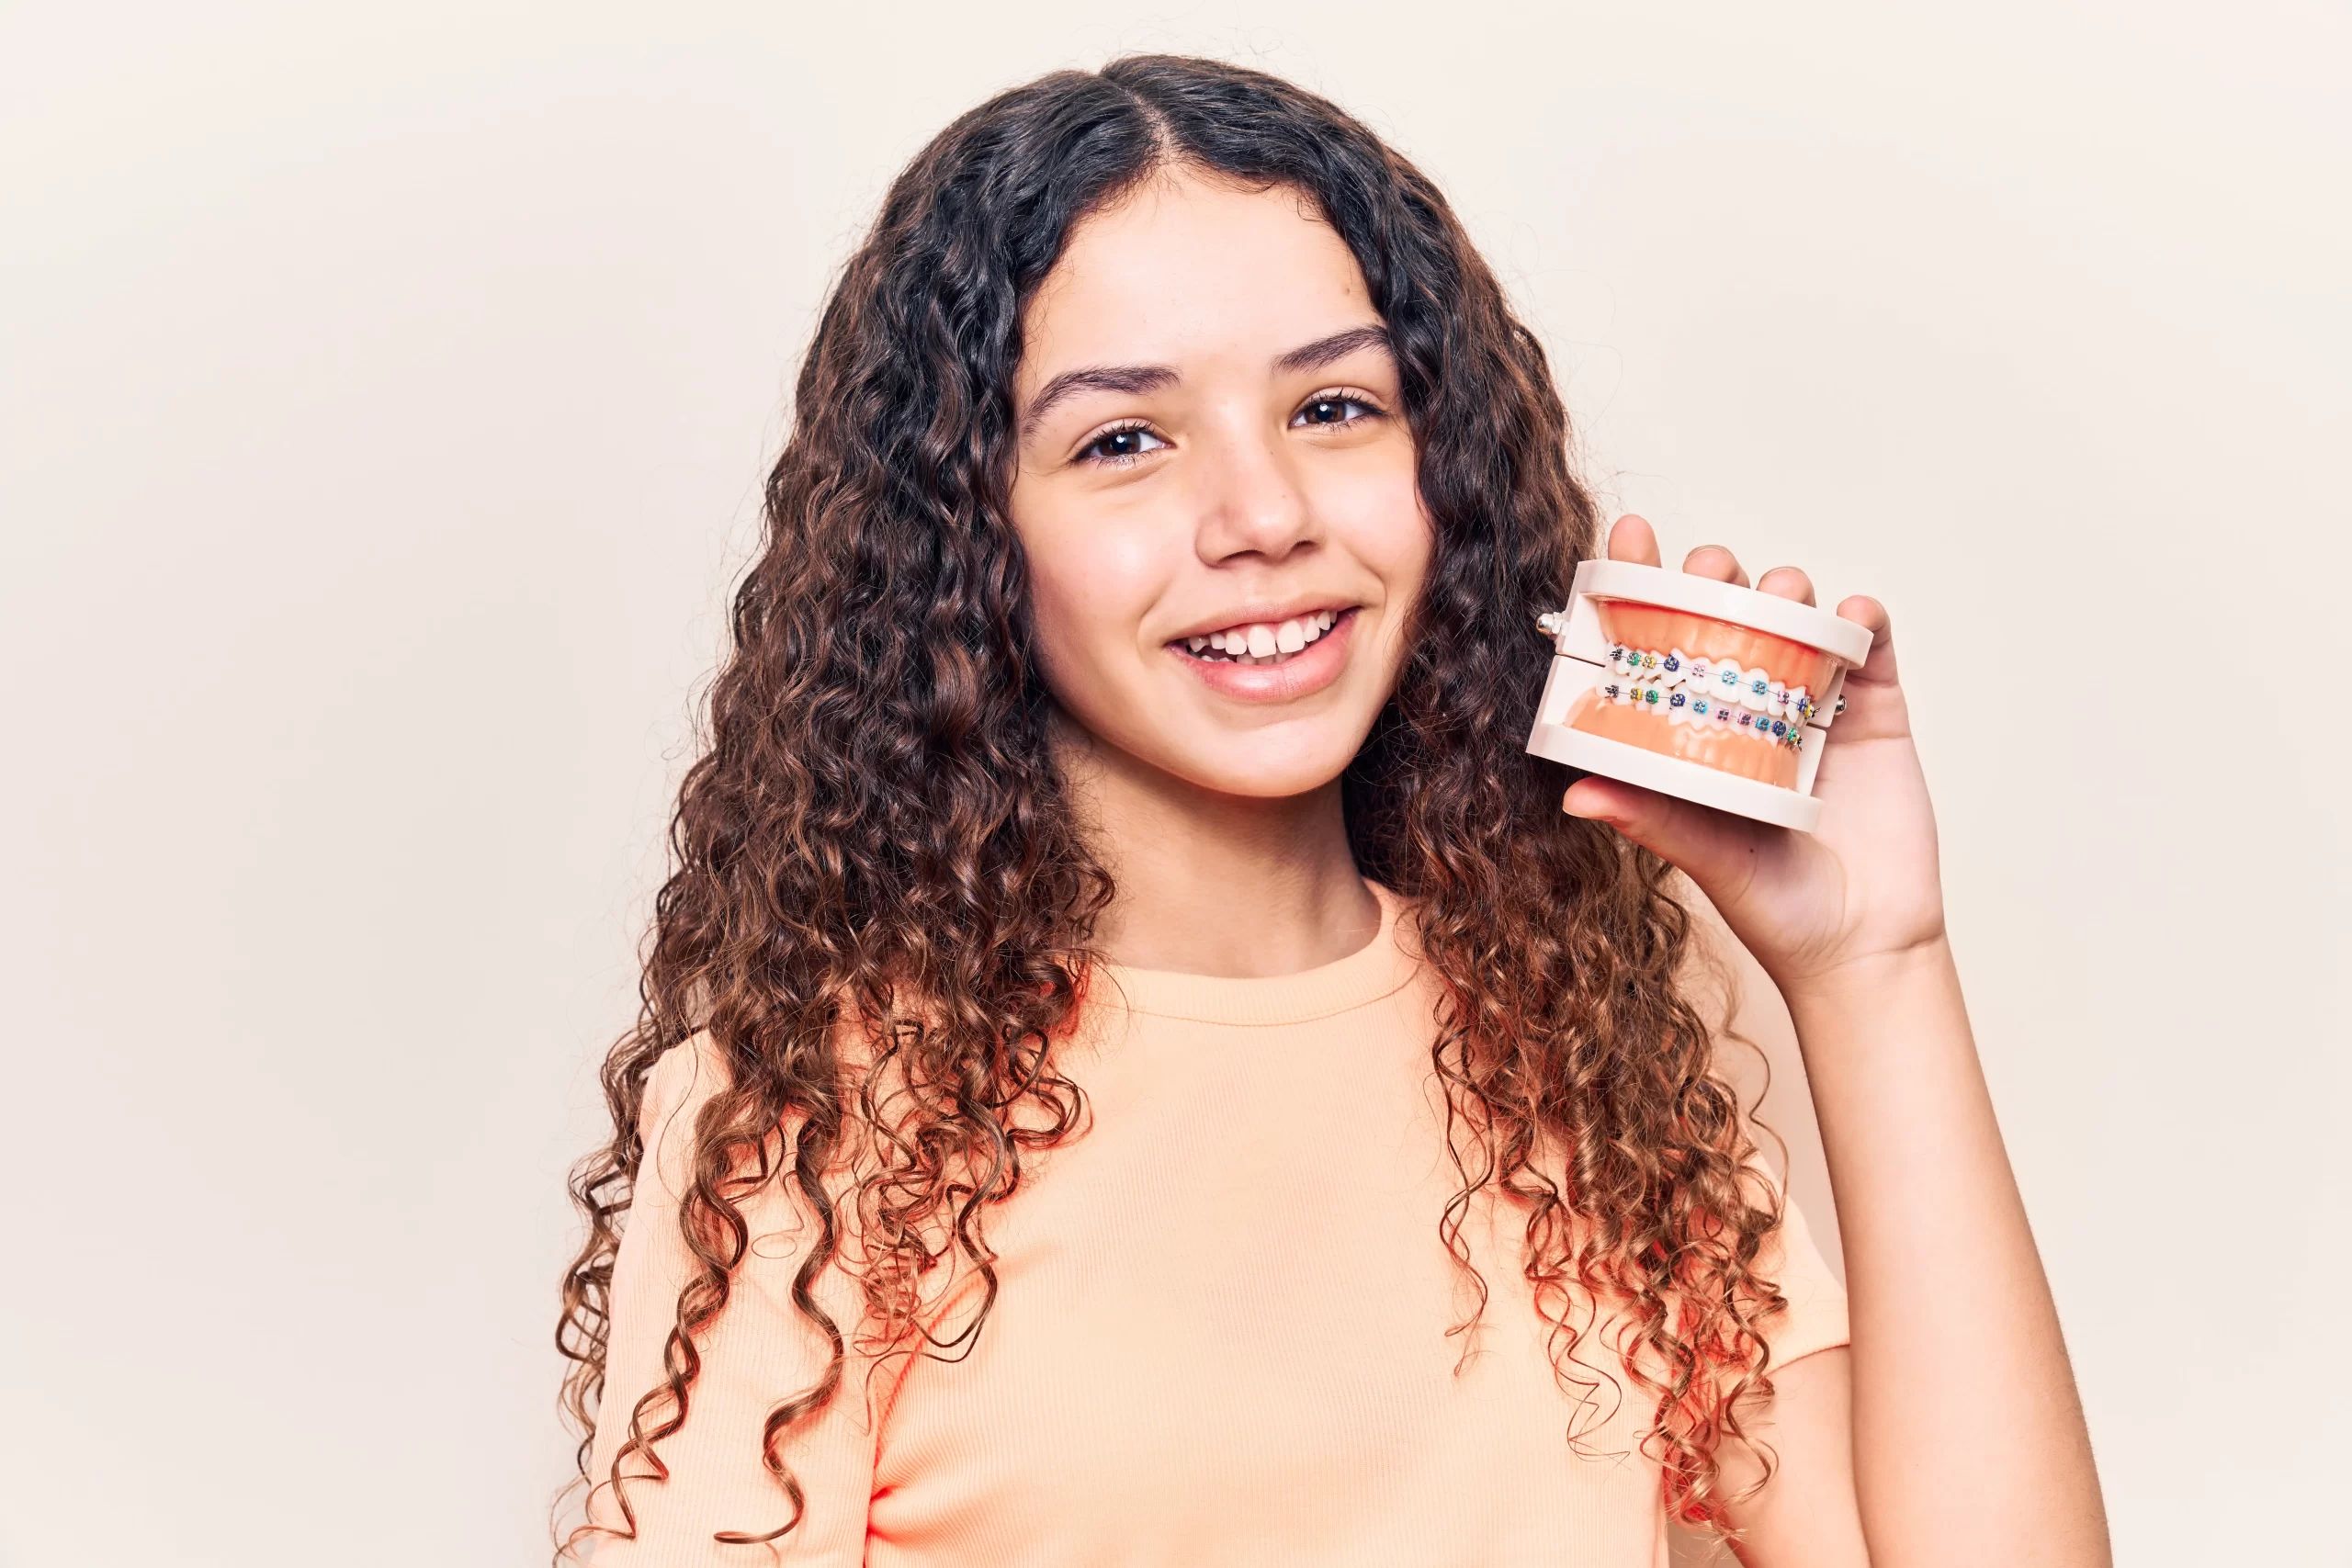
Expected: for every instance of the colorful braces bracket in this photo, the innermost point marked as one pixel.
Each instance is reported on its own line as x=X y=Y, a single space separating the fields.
x=1686 y=689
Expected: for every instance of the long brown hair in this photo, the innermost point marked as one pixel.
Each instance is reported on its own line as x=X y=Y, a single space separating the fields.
x=876 y=836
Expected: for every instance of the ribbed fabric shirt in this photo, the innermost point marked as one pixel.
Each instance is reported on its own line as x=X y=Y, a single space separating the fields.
x=1220 y=1337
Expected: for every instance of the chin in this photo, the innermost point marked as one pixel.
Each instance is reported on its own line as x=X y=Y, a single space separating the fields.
x=1277 y=775
x=1268 y=761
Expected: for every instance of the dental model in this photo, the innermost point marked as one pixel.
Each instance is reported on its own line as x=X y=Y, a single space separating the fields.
x=1695 y=689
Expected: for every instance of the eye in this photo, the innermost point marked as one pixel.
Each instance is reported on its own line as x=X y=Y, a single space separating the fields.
x=1335 y=408
x=1119 y=446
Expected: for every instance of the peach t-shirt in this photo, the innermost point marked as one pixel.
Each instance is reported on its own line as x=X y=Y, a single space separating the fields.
x=1220 y=1337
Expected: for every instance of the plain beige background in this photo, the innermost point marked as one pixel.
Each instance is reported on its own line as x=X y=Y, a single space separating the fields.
x=384 y=395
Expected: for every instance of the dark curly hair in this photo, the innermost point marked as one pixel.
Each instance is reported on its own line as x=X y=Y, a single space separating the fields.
x=876 y=838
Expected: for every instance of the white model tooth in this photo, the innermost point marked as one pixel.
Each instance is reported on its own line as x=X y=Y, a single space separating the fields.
x=1290 y=637
x=1196 y=643
x=1729 y=679
x=1698 y=674
x=1798 y=712
x=1755 y=689
x=1621 y=693
x=1260 y=639
x=1776 y=700
x=1678 y=706
x=1675 y=668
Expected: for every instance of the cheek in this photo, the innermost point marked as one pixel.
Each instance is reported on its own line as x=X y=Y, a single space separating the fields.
x=1375 y=511
x=1090 y=585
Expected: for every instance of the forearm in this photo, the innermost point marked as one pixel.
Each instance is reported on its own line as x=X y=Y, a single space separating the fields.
x=1969 y=1441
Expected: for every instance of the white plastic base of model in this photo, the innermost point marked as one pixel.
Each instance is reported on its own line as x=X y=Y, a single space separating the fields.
x=1840 y=638
x=1674 y=776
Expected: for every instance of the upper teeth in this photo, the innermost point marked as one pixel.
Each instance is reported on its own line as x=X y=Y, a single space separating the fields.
x=1263 y=640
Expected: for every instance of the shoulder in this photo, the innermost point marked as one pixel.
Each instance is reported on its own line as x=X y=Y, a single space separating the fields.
x=681 y=1080
x=687 y=1077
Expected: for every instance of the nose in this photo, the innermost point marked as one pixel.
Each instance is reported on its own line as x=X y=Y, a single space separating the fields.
x=1253 y=503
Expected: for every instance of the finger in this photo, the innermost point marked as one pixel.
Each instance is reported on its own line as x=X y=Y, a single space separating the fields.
x=1713 y=560
x=1632 y=538
x=1865 y=611
x=1788 y=582
x=1716 y=850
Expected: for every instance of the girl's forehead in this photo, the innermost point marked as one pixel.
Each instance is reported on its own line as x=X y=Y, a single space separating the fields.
x=1185 y=266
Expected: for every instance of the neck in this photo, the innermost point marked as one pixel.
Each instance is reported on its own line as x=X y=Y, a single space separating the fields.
x=1236 y=886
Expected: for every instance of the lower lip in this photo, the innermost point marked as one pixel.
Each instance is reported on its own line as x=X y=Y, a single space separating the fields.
x=1303 y=673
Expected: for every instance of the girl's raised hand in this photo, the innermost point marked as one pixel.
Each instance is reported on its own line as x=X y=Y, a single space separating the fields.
x=1864 y=889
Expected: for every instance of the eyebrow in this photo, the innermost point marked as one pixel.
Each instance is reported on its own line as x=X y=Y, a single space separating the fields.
x=1135 y=379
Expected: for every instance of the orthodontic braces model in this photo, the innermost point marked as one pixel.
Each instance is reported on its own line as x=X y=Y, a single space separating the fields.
x=1683 y=689
x=1594 y=662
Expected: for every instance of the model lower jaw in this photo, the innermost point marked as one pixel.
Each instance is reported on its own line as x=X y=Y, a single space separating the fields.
x=1728 y=738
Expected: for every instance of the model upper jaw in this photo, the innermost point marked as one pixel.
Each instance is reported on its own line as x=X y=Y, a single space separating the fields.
x=1262 y=642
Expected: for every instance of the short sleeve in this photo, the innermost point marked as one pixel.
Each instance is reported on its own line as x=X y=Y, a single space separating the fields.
x=760 y=1352
x=1815 y=1317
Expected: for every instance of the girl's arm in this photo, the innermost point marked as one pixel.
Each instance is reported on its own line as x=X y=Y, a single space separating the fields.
x=711 y=1479
x=1952 y=1427
x=1951 y=1430
x=1968 y=1437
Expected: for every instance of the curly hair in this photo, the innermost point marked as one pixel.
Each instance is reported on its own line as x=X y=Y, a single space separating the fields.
x=876 y=838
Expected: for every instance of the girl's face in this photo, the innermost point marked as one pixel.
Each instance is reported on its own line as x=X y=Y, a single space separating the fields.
x=1215 y=470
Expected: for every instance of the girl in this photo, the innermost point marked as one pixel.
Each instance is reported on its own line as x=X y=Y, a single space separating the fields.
x=1137 y=1065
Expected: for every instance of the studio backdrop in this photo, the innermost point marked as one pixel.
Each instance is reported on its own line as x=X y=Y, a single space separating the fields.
x=385 y=393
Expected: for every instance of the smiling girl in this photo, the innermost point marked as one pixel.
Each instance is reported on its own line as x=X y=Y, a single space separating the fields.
x=1138 y=1065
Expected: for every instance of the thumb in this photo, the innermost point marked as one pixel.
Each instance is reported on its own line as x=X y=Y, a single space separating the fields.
x=1708 y=846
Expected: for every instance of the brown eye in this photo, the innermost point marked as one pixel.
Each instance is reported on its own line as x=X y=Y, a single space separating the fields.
x=1334 y=411
x=1120 y=446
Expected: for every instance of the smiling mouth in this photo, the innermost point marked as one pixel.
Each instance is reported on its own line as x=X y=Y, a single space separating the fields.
x=1262 y=642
